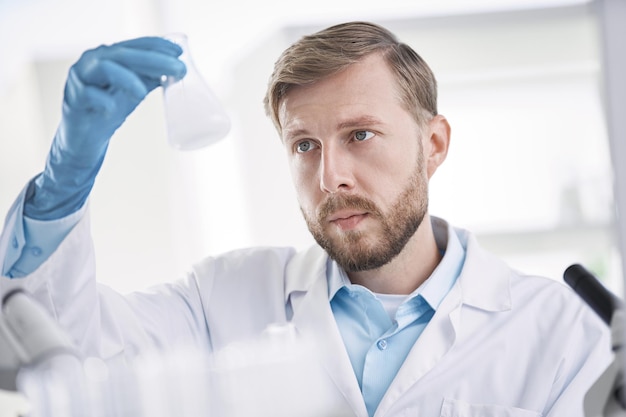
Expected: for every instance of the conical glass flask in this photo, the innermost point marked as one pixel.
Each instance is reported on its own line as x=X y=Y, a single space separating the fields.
x=194 y=116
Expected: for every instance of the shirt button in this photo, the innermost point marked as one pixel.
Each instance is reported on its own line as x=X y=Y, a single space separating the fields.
x=382 y=344
x=14 y=243
x=35 y=251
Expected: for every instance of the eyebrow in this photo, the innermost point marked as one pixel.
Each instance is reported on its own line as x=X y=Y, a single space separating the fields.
x=289 y=134
x=359 y=122
x=355 y=122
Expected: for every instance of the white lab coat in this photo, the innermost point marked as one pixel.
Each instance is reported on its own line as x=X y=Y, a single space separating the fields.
x=500 y=343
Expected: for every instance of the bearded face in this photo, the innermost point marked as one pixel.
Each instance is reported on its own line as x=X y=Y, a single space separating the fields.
x=358 y=162
x=371 y=248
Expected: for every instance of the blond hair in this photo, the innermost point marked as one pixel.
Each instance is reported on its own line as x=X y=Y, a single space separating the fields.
x=331 y=50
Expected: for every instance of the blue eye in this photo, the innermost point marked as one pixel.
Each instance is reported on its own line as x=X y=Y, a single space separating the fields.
x=363 y=135
x=305 y=146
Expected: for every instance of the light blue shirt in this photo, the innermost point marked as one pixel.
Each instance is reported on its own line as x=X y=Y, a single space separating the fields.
x=33 y=241
x=377 y=345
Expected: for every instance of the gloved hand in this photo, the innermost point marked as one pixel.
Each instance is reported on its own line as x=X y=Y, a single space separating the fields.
x=103 y=87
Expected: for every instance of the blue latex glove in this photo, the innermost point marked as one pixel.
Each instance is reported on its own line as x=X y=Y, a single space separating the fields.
x=103 y=87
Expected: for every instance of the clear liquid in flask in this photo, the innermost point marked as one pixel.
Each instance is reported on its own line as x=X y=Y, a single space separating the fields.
x=194 y=116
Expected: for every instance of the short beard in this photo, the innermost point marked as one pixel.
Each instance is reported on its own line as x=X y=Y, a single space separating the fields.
x=351 y=250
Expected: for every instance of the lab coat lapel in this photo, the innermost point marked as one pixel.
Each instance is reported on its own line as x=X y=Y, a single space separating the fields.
x=436 y=340
x=484 y=283
x=307 y=292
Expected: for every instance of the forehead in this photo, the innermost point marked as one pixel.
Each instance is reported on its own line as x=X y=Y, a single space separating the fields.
x=368 y=85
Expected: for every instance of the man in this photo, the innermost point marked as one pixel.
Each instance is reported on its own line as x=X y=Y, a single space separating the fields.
x=415 y=318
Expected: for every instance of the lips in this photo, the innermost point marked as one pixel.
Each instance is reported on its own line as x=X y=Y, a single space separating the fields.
x=344 y=214
x=347 y=220
x=346 y=211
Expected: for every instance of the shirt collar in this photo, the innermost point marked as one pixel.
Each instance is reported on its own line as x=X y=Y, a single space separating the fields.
x=435 y=288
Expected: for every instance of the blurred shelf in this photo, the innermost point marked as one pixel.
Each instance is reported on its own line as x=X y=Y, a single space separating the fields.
x=584 y=237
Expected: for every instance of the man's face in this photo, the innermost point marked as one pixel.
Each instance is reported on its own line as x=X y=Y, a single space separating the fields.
x=357 y=162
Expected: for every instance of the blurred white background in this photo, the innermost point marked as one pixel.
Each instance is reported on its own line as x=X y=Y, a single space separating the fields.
x=520 y=82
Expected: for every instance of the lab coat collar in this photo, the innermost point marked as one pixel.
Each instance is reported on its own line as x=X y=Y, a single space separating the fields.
x=485 y=280
x=312 y=260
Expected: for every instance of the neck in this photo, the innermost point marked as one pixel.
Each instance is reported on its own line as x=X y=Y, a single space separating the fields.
x=407 y=271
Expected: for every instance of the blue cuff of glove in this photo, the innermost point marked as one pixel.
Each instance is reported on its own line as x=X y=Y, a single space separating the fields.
x=34 y=241
x=58 y=191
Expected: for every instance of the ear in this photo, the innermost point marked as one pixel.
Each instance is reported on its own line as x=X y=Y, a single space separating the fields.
x=436 y=144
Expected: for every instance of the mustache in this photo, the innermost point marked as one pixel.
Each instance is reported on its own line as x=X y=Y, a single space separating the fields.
x=340 y=202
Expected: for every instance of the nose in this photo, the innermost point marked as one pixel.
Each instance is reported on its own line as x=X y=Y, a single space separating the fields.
x=336 y=172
